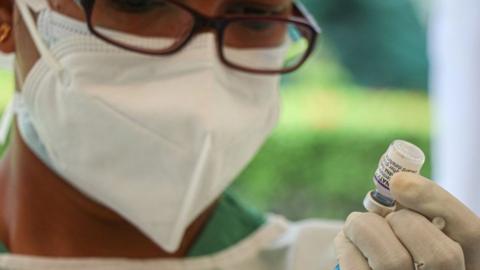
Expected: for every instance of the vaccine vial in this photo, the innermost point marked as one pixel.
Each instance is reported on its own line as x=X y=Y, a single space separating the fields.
x=401 y=156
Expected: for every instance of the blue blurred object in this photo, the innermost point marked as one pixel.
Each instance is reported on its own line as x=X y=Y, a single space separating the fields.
x=337 y=267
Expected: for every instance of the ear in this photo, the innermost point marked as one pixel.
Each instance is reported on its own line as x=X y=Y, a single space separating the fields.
x=7 y=44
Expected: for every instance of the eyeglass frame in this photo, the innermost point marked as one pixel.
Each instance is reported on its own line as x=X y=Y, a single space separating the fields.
x=300 y=16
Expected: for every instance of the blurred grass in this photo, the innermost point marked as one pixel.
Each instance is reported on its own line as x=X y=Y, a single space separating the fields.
x=322 y=97
x=320 y=159
x=6 y=87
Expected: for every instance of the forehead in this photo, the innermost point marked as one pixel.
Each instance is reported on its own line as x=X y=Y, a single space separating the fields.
x=202 y=3
x=215 y=6
x=220 y=2
x=208 y=7
x=266 y=2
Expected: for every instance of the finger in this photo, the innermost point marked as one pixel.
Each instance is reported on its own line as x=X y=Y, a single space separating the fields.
x=372 y=235
x=429 y=247
x=429 y=199
x=349 y=257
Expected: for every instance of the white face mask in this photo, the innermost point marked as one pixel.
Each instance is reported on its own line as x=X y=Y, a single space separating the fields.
x=157 y=139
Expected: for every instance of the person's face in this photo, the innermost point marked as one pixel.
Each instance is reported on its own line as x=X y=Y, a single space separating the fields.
x=21 y=43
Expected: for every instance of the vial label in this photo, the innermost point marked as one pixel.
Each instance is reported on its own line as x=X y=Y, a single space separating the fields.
x=386 y=169
x=401 y=156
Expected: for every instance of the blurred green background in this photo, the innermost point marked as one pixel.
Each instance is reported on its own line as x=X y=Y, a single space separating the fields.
x=364 y=87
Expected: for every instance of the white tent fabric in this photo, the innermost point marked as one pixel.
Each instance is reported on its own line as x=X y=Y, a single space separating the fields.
x=455 y=85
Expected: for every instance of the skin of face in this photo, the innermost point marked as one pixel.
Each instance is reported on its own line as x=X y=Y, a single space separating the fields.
x=40 y=213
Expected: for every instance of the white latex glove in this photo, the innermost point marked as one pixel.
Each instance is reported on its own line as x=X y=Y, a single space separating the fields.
x=407 y=239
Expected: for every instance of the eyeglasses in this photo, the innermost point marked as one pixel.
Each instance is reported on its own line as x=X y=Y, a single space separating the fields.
x=264 y=44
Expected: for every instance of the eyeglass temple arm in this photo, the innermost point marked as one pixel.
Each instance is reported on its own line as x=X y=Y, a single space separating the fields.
x=302 y=11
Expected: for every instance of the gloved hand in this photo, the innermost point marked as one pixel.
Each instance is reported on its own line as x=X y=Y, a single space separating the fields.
x=407 y=239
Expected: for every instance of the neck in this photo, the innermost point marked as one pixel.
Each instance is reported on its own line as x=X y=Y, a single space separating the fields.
x=42 y=215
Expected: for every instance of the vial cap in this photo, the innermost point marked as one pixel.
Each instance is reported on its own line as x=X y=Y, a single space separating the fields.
x=409 y=153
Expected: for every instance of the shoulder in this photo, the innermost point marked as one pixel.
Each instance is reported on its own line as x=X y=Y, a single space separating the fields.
x=317 y=229
x=309 y=242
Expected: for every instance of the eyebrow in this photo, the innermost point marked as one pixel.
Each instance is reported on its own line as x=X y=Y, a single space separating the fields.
x=272 y=2
x=268 y=5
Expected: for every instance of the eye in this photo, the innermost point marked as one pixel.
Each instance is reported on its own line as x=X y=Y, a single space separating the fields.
x=258 y=25
x=136 y=6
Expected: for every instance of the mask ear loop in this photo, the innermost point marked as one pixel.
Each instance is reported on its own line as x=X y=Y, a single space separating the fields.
x=7 y=117
x=32 y=28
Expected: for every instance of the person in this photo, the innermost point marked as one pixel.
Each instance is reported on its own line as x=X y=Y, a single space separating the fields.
x=134 y=116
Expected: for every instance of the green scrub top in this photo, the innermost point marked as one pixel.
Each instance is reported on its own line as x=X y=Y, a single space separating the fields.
x=231 y=221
